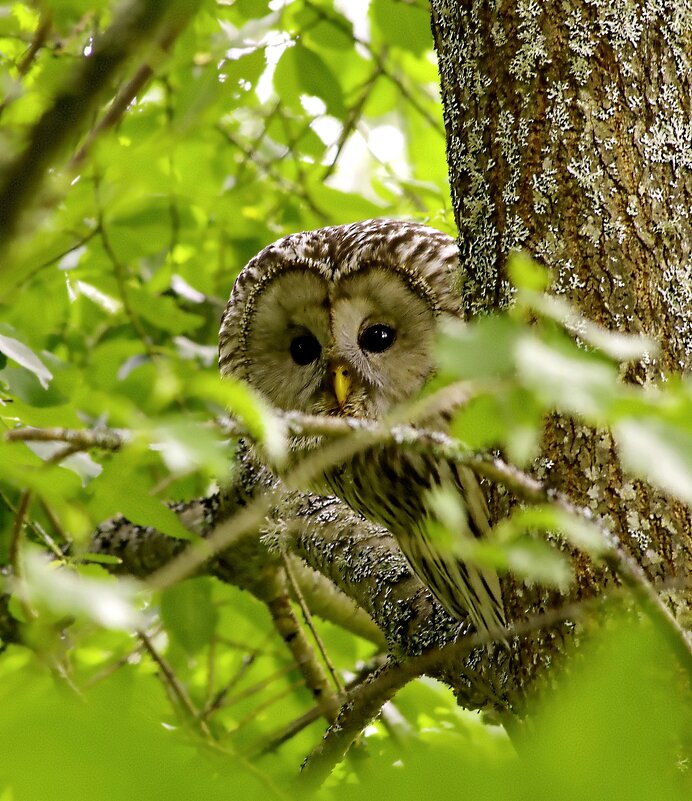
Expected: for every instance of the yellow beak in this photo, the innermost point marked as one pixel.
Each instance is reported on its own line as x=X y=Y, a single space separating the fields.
x=341 y=378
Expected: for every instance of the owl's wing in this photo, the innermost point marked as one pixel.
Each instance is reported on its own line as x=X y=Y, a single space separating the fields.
x=391 y=487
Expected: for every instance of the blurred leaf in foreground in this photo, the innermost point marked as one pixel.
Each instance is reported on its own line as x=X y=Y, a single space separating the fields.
x=615 y=728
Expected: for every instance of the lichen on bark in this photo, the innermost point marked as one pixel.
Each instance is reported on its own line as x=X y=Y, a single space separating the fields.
x=569 y=131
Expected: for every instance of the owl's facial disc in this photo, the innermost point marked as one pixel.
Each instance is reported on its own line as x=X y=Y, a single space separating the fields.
x=287 y=338
x=356 y=346
x=383 y=331
x=375 y=338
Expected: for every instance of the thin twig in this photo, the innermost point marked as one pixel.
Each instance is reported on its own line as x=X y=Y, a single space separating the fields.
x=57 y=527
x=40 y=36
x=40 y=532
x=307 y=616
x=290 y=730
x=303 y=721
x=109 y=670
x=16 y=536
x=58 y=256
x=227 y=701
x=218 y=699
x=257 y=710
x=175 y=686
x=352 y=118
x=381 y=64
x=126 y=94
x=120 y=276
x=282 y=182
x=73 y=104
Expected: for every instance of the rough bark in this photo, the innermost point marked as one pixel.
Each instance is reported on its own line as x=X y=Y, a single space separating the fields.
x=569 y=136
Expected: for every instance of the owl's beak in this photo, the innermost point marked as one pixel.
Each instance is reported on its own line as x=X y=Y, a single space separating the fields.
x=341 y=379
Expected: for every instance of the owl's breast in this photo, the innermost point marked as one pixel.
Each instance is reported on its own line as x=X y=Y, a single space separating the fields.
x=386 y=487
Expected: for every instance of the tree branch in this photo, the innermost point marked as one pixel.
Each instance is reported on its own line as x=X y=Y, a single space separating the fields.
x=362 y=560
x=64 y=120
x=291 y=632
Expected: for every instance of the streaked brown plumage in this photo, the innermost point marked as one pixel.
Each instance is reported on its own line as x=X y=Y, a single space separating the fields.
x=342 y=321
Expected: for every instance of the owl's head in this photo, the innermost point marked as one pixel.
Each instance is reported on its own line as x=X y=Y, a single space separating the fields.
x=341 y=320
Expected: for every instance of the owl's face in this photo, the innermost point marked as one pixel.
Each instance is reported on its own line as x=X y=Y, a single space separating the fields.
x=350 y=333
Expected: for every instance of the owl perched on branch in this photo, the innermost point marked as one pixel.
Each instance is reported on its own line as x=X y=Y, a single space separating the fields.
x=342 y=321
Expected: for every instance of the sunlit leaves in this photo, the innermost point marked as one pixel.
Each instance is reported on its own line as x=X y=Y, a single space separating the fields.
x=88 y=594
x=24 y=356
x=189 y=615
x=302 y=71
x=61 y=745
x=404 y=25
x=610 y=729
x=258 y=122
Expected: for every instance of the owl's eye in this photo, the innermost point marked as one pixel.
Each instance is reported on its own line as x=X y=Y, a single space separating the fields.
x=377 y=338
x=305 y=349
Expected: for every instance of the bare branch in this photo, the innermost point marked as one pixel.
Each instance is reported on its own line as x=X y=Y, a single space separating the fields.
x=109 y=439
x=292 y=634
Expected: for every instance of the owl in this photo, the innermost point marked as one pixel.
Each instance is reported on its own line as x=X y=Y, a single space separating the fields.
x=342 y=321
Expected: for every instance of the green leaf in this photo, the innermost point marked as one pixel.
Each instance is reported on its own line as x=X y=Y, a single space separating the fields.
x=333 y=33
x=624 y=719
x=657 y=452
x=24 y=356
x=529 y=558
x=403 y=25
x=189 y=615
x=613 y=727
x=526 y=273
x=186 y=446
x=574 y=528
x=248 y=67
x=563 y=376
x=251 y=9
x=480 y=350
x=537 y=563
x=623 y=347
x=243 y=402
x=118 y=490
x=107 y=738
x=25 y=386
x=511 y=419
x=163 y=312
x=108 y=602
x=302 y=71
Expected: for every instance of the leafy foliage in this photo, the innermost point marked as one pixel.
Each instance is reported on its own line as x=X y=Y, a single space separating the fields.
x=261 y=119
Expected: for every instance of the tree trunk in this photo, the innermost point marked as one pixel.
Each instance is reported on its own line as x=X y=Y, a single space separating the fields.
x=569 y=136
